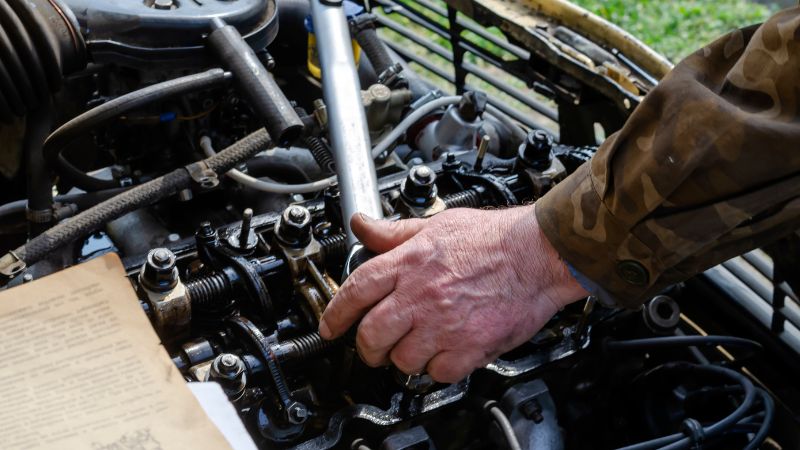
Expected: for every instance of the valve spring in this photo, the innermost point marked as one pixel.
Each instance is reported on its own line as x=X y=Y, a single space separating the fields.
x=470 y=198
x=208 y=290
x=322 y=154
x=305 y=346
x=334 y=245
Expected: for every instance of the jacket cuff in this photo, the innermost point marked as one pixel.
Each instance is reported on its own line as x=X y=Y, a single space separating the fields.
x=620 y=269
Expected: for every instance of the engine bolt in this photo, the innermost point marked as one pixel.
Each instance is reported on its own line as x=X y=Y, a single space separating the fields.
x=297 y=213
x=294 y=227
x=247 y=221
x=536 y=151
x=245 y=240
x=419 y=188
x=159 y=273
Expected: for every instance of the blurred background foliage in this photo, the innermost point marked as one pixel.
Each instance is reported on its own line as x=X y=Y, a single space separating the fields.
x=679 y=27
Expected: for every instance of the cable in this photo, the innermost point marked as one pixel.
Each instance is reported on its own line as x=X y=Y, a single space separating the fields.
x=268 y=186
x=137 y=197
x=82 y=200
x=410 y=120
x=428 y=108
x=85 y=122
x=679 y=440
x=769 y=415
x=680 y=341
x=505 y=425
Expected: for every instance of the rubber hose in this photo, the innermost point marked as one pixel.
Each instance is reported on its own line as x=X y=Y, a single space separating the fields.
x=39 y=44
x=368 y=40
x=268 y=186
x=81 y=200
x=85 y=122
x=133 y=199
x=255 y=83
x=39 y=186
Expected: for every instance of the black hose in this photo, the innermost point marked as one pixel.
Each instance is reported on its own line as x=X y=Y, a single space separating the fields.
x=363 y=27
x=255 y=83
x=133 y=199
x=39 y=43
x=39 y=185
x=113 y=108
x=769 y=415
x=81 y=201
x=680 y=341
x=679 y=440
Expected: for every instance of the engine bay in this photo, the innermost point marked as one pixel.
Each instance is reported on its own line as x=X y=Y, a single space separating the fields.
x=220 y=146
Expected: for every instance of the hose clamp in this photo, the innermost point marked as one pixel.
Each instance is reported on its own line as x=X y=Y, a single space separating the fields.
x=15 y=268
x=203 y=175
x=39 y=215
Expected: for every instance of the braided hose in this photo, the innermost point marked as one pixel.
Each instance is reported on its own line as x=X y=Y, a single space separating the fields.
x=93 y=218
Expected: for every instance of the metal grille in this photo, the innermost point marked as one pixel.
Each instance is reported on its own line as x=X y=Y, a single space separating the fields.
x=464 y=55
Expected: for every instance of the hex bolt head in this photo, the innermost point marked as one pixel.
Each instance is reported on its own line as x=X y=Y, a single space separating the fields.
x=228 y=370
x=159 y=273
x=297 y=214
x=296 y=412
x=419 y=187
x=537 y=150
x=294 y=227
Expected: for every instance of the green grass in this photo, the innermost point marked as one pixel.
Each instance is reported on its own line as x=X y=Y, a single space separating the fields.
x=676 y=28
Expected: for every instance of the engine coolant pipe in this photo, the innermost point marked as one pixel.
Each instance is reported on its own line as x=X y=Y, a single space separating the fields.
x=347 y=122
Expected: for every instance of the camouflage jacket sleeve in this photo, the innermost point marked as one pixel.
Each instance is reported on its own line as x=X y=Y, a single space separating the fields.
x=707 y=167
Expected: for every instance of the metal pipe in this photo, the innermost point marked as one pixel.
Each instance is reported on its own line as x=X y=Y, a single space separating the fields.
x=349 y=135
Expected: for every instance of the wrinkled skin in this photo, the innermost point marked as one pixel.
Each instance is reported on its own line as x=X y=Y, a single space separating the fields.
x=451 y=293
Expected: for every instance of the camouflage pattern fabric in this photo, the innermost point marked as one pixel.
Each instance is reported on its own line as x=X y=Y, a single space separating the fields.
x=706 y=168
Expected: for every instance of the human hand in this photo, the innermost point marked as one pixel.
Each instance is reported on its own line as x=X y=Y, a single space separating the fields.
x=450 y=293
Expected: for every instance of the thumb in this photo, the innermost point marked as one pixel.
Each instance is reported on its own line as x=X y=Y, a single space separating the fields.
x=380 y=236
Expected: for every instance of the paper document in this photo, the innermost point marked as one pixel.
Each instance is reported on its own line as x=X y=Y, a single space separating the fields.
x=82 y=368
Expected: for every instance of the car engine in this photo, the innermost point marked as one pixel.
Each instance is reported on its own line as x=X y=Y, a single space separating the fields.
x=219 y=146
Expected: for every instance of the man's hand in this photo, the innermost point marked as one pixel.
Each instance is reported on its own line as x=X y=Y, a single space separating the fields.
x=451 y=293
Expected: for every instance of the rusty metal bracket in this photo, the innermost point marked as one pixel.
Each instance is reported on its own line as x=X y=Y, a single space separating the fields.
x=203 y=175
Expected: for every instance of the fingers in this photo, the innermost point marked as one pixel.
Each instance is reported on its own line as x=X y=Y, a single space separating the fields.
x=380 y=236
x=365 y=287
x=412 y=353
x=453 y=366
x=380 y=330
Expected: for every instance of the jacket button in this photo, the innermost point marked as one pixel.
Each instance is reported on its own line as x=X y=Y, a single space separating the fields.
x=633 y=272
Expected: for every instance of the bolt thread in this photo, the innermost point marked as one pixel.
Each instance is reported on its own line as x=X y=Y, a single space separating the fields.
x=470 y=198
x=335 y=245
x=321 y=153
x=208 y=290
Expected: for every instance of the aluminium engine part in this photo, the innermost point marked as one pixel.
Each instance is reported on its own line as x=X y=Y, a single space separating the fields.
x=143 y=33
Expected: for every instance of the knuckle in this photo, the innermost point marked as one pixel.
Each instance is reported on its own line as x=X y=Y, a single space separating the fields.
x=404 y=361
x=366 y=338
x=443 y=374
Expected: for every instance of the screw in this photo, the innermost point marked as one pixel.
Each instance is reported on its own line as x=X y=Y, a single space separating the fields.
x=297 y=214
x=206 y=231
x=163 y=4
x=482 y=148
x=228 y=361
x=161 y=257
x=297 y=413
x=532 y=410
x=244 y=233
